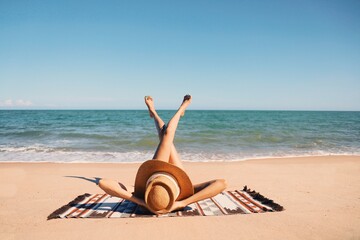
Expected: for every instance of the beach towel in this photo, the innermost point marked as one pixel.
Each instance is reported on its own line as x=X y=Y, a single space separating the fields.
x=245 y=201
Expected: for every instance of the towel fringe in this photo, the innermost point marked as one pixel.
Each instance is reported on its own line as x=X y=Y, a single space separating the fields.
x=268 y=202
x=66 y=207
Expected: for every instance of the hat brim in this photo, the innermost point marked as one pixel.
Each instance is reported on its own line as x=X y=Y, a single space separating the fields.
x=150 y=167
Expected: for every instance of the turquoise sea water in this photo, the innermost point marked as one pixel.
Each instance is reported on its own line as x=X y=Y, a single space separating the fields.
x=130 y=135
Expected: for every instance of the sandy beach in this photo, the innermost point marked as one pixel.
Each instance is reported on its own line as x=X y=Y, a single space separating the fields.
x=321 y=196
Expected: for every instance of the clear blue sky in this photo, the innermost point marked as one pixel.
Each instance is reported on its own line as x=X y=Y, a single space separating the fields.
x=291 y=54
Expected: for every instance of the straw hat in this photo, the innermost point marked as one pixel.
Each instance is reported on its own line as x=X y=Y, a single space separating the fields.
x=160 y=184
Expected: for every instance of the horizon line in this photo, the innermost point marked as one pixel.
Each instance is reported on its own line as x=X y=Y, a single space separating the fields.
x=164 y=109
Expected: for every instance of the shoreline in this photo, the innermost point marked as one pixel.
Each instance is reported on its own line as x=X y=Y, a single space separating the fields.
x=320 y=196
x=192 y=161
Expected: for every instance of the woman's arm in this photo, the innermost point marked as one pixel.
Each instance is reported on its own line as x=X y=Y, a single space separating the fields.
x=116 y=189
x=202 y=191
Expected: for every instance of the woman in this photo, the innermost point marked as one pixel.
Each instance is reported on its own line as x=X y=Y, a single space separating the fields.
x=161 y=184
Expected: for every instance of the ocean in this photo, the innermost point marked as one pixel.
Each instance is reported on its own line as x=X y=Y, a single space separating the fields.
x=130 y=135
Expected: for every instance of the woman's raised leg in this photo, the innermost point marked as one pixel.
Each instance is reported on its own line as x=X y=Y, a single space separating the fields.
x=164 y=148
x=159 y=123
x=160 y=127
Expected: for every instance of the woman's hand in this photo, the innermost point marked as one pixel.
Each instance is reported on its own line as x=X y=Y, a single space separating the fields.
x=137 y=200
x=177 y=205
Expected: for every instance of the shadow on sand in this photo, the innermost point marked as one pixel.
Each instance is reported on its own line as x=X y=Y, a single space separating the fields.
x=94 y=180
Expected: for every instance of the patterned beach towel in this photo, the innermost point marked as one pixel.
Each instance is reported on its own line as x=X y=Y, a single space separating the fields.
x=226 y=203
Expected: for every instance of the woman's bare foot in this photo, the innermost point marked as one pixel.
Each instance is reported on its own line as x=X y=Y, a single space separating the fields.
x=150 y=104
x=186 y=102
